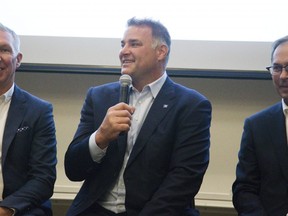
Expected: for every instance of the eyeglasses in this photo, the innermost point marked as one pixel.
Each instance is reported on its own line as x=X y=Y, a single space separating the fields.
x=277 y=69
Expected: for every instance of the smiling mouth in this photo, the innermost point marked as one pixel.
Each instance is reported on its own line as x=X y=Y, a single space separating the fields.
x=283 y=88
x=283 y=85
x=126 y=64
x=127 y=61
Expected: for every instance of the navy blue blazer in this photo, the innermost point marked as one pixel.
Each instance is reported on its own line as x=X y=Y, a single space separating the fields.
x=28 y=154
x=261 y=186
x=168 y=160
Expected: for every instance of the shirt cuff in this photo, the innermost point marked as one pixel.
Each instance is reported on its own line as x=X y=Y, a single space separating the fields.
x=96 y=153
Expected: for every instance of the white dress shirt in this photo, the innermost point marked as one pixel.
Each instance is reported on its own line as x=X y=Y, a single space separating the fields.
x=285 y=111
x=5 y=101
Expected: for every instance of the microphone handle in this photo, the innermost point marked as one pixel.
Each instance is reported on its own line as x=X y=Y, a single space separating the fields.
x=124 y=94
x=124 y=97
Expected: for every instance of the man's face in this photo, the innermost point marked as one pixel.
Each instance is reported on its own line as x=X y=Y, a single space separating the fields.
x=137 y=56
x=9 y=61
x=280 y=57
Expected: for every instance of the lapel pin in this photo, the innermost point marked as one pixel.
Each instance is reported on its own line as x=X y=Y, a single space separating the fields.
x=165 y=106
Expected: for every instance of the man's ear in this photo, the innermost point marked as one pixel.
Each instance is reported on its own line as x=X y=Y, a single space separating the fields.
x=162 y=52
x=19 y=59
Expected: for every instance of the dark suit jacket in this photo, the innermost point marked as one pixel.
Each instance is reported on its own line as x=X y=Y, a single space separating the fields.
x=261 y=186
x=28 y=154
x=168 y=160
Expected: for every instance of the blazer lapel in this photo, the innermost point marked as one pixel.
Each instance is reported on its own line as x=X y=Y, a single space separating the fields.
x=159 y=109
x=14 y=119
x=279 y=138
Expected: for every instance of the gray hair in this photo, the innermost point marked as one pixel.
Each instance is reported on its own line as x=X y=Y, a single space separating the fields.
x=16 y=39
x=160 y=33
x=277 y=43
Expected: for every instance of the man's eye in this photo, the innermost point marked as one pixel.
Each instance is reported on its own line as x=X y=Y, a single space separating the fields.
x=134 y=44
x=3 y=50
x=277 y=68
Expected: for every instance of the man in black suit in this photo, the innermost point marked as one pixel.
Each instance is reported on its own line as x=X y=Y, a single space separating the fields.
x=157 y=165
x=27 y=140
x=261 y=186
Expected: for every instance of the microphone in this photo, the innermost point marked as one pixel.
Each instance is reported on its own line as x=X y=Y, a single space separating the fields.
x=125 y=82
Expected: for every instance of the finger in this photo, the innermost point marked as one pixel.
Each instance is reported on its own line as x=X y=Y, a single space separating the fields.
x=124 y=106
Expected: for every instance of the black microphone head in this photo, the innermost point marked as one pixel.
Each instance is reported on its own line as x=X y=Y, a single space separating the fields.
x=125 y=80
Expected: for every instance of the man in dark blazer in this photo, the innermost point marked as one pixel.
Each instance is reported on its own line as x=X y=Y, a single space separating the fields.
x=147 y=157
x=27 y=139
x=261 y=186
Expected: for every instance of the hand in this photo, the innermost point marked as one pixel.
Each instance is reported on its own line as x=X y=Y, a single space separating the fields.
x=6 y=211
x=117 y=120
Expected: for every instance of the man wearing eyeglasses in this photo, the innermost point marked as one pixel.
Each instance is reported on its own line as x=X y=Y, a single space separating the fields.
x=261 y=186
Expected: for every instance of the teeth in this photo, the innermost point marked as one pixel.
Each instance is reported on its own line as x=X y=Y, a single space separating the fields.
x=127 y=60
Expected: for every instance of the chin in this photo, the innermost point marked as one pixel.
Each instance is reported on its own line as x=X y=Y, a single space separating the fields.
x=284 y=96
x=125 y=72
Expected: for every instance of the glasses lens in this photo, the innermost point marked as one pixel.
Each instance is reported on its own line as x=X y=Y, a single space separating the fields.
x=277 y=68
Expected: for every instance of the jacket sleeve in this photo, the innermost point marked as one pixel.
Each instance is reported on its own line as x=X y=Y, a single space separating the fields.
x=78 y=161
x=247 y=184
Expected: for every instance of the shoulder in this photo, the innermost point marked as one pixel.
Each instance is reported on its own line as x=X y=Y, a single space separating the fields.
x=105 y=88
x=186 y=94
x=30 y=99
x=274 y=109
x=262 y=119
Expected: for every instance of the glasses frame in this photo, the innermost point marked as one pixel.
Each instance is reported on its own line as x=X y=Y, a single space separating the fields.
x=272 y=72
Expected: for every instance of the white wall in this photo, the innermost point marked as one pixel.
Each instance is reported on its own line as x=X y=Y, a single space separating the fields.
x=227 y=55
